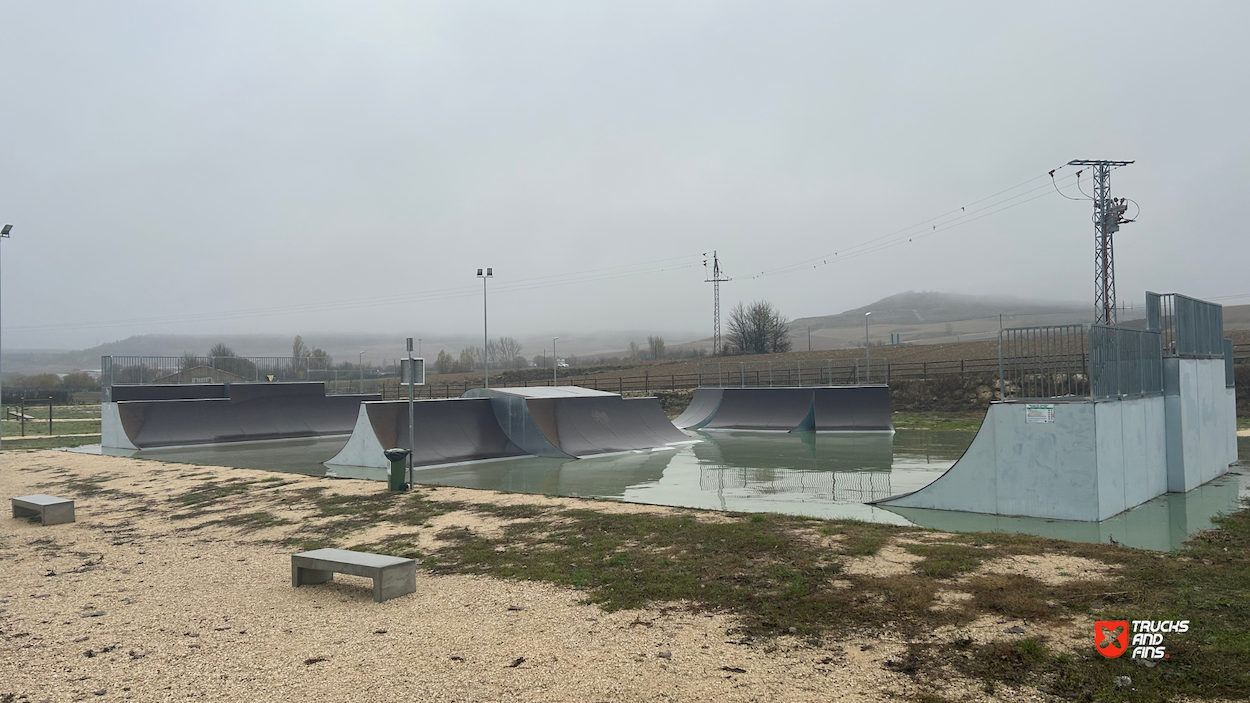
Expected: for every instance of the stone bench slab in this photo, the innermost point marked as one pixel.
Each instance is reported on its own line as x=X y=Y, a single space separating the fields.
x=49 y=509
x=392 y=576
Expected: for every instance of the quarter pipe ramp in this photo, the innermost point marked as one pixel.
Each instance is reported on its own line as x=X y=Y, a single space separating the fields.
x=820 y=408
x=569 y=421
x=445 y=431
x=250 y=412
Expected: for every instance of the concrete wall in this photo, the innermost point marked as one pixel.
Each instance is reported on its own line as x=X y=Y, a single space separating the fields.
x=1094 y=461
x=1201 y=422
x=1132 y=453
x=363 y=447
x=112 y=436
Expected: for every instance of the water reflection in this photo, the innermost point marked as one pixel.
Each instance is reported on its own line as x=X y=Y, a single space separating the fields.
x=1161 y=524
x=825 y=475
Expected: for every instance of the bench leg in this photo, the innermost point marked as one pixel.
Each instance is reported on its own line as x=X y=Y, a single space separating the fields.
x=58 y=514
x=19 y=511
x=302 y=576
x=394 y=582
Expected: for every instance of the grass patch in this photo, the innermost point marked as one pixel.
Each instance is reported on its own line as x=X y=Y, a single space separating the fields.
x=31 y=443
x=254 y=521
x=943 y=561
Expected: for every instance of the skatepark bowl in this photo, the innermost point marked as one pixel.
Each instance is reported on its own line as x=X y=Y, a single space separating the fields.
x=822 y=475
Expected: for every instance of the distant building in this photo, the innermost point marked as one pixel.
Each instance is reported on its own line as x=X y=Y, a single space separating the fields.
x=202 y=374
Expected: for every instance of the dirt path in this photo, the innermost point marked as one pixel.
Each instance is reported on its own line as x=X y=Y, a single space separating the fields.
x=130 y=604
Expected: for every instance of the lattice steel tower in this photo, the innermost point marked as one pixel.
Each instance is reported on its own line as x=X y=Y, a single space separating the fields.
x=1108 y=216
x=716 y=278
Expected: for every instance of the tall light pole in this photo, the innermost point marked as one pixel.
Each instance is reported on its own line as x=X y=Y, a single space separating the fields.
x=867 y=349
x=360 y=362
x=490 y=273
x=4 y=233
x=555 y=364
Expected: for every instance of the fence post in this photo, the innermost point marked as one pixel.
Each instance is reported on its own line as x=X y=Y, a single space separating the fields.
x=620 y=384
x=672 y=382
x=49 y=413
x=646 y=382
x=22 y=415
x=1002 y=388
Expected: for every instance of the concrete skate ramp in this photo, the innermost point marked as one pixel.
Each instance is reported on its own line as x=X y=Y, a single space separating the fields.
x=446 y=432
x=783 y=409
x=569 y=421
x=253 y=412
x=1089 y=462
x=853 y=409
x=701 y=409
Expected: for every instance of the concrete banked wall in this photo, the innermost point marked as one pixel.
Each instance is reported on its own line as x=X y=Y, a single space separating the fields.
x=820 y=408
x=1096 y=459
x=569 y=421
x=445 y=432
x=178 y=415
x=560 y=422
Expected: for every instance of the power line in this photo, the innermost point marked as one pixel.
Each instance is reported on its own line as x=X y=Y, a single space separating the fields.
x=904 y=236
x=533 y=283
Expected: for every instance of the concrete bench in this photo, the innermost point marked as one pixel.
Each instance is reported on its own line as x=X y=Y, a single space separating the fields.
x=392 y=576
x=49 y=509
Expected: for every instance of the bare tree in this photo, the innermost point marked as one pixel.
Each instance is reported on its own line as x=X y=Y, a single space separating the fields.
x=759 y=328
x=189 y=360
x=656 y=345
x=444 y=362
x=298 y=350
x=509 y=350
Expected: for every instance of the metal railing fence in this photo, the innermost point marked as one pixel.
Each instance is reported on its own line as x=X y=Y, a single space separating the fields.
x=1230 y=358
x=1043 y=362
x=1124 y=363
x=1188 y=326
x=812 y=372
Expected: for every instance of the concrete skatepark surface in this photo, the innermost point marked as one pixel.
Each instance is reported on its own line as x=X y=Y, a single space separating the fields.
x=446 y=431
x=565 y=422
x=1093 y=460
x=190 y=414
x=820 y=408
x=570 y=421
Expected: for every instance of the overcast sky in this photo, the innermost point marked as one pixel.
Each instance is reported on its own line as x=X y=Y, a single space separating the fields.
x=316 y=166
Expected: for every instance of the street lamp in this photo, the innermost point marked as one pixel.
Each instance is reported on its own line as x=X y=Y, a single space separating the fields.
x=4 y=233
x=867 y=349
x=490 y=273
x=360 y=362
x=555 y=364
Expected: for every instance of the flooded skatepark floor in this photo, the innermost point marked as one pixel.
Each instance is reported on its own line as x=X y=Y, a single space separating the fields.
x=822 y=475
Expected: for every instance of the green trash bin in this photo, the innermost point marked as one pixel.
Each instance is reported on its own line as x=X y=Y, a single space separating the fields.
x=399 y=465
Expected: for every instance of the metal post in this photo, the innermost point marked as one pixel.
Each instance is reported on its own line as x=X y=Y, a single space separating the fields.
x=49 y=413
x=555 y=364
x=412 y=433
x=867 y=349
x=360 y=361
x=1002 y=387
x=22 y=415
x=4 y=233
x=490 y=272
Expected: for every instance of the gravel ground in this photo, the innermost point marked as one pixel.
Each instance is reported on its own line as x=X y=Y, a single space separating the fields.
x=128 y=604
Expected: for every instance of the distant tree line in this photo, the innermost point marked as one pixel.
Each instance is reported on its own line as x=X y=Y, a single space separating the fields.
x=71 y=382
x=502 y=353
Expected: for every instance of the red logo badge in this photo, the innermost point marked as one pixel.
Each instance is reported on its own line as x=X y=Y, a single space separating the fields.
x=1111 y=637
